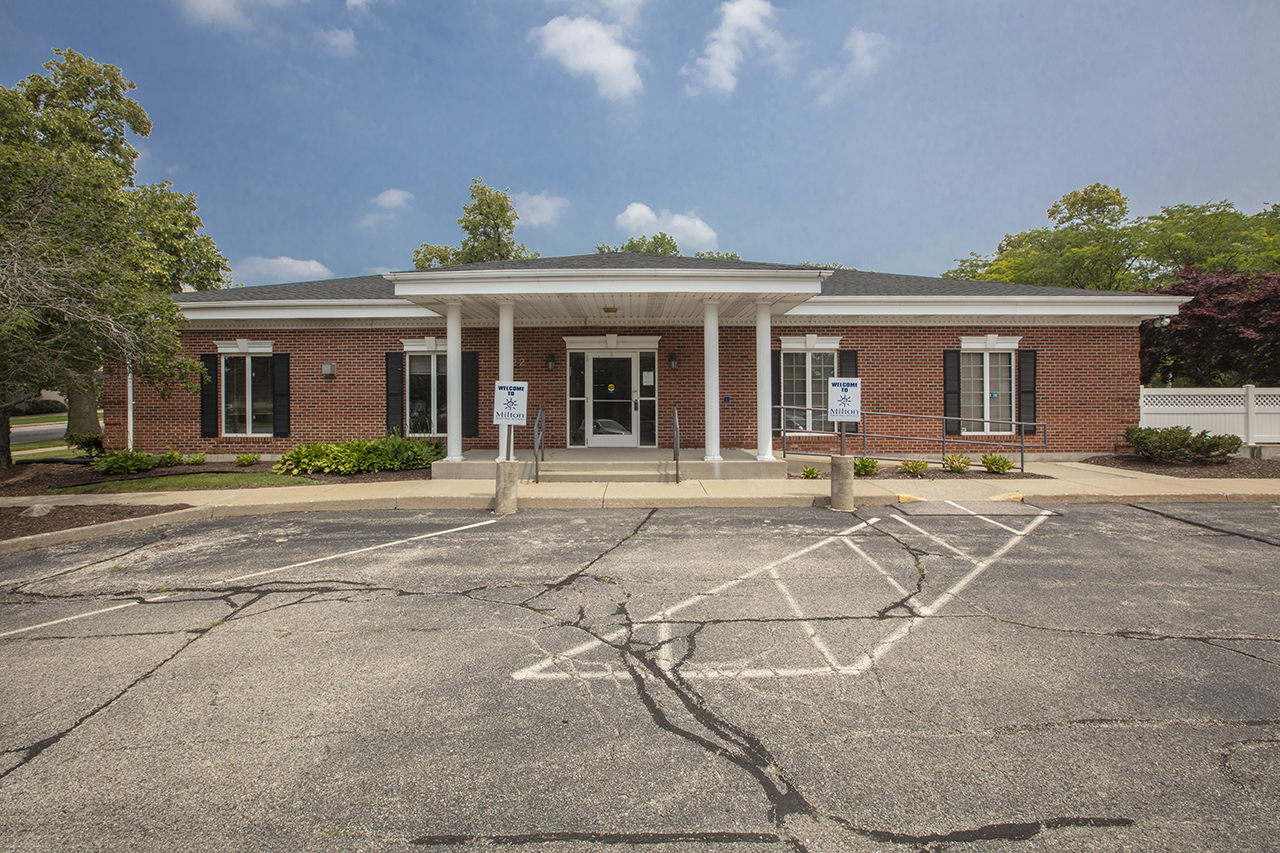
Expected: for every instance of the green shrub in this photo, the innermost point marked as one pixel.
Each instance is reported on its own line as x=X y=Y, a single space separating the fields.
x=360 y=456
x=865 y=466
x=124 y=462
x=956 y=462
x=1178 y=444
x=87 y=442
x=41 y=406
x=810 y=473
x=194 y=459
x=996 y=464
x=913 y=467
x=244 y=460
x=169 y=459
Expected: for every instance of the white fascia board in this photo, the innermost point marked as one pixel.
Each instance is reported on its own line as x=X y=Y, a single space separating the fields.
x=1137 y=307
x=300 y=309
x=423 y=283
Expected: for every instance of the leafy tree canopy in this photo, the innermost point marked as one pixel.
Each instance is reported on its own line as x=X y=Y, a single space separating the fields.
x=489 y=223
x=659 y=244
x=1228 y=334
x=86 y=258
x=1093 y=244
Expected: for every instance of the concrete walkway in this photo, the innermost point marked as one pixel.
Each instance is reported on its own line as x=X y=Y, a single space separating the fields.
x=1072 y=482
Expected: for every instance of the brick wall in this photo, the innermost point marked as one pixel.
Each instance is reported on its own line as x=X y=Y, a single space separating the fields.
x=1087 y=385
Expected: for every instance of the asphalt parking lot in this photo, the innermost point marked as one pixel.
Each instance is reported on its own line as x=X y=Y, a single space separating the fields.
x=924 y=677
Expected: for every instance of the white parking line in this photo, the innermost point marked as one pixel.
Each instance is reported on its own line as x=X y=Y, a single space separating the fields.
x=594 y=670
x=983 y=517
x=82 y=615
x=536 y=670
x=356 y=551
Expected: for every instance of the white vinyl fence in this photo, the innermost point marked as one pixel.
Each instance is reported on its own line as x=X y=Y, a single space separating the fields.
x=1249 y=412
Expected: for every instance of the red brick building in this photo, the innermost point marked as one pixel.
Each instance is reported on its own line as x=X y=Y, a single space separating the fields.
x=614 y=345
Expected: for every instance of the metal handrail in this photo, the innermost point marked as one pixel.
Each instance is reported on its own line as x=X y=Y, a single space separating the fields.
x=1019 y=428
x=675 y=440
x=539 y=445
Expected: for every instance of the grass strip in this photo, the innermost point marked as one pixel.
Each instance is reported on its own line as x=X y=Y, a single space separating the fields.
x=64 y=453
x=185 y=482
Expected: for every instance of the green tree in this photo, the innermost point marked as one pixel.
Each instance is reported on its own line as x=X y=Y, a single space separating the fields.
x=720 y=256
x=489 y=223
x=86 y=257
x=659 y=244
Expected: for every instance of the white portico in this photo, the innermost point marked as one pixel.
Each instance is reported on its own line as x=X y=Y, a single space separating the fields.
x=622 y=293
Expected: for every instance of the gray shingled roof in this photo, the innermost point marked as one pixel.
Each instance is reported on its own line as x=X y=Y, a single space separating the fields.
x=357 y=287
x=841 y=282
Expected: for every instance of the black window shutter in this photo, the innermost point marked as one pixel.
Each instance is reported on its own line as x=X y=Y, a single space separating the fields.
x=951 y=391
x=280 y=394
x=775 y=361
x=849 y=370
x=395 y=393
x=209 y=398
x=1027 y=389
x=470 y=394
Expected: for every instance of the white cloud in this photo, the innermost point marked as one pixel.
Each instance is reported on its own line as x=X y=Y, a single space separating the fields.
x=272 y=270
x=867 y=51
x=226 y=14
x=392 y=199
x=624 y=12
x=587 y=47
x=538 y=210
x=689 y=231
x=744 y=24
x=341 y=43
x=360 y=5
x=388 y=202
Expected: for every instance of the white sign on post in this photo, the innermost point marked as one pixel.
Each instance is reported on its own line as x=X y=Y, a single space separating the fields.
x=844 y=400
x=509 y=403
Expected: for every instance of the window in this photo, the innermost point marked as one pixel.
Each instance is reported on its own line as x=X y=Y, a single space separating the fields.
x=808 y=362
x=427 y=393
x=247 y=395
x=986 y=392
x=987 y=383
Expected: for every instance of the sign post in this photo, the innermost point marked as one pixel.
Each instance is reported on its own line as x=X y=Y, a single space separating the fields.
x=844 y=405
x=509 y=403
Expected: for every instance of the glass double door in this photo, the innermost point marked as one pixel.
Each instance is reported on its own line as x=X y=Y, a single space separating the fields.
x=621 y=397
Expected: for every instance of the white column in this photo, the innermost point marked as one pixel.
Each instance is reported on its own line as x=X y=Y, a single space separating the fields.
x=764 y=383
x=1250 y=416
x=453 y=367
x=711 y=376
x=506 y=364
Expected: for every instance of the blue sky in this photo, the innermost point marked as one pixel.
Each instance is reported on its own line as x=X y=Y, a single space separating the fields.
x=331 y=137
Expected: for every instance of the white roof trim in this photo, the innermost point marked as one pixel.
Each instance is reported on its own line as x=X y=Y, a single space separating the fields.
x=612 y=342
x=412 y=345
x=795 y=343
x=244 y=346
x=1137 y=306
x=306 y=309
x=989 y=342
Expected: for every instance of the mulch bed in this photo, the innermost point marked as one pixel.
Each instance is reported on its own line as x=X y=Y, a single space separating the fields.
x=13 y=525
x=29 y=479
x=1236 y=468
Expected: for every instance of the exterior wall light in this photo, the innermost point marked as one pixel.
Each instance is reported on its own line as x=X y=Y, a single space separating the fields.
x=672 y=361
x=551 y=362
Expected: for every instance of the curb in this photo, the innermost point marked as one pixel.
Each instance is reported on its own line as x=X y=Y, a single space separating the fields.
x=211 y=511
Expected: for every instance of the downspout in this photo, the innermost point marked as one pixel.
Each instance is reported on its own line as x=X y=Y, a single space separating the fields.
x=130 y=408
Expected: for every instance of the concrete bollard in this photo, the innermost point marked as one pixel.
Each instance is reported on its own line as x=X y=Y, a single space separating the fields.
x=842 y=477
x=504 y=498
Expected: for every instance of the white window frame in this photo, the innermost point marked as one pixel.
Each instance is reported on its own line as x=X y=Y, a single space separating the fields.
x=809 y=345
x=249 y=350
x=434 y=347
x=987 y=346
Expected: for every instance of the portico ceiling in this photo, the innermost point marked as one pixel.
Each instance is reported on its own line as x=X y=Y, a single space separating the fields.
x=636 y=296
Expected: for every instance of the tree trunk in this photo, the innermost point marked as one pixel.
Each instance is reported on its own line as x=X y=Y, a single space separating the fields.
x=6 y=457
x=82 y=407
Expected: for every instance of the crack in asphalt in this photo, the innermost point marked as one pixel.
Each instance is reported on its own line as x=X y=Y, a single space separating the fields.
x=652 y=677
x=1265 y=540
x=32 y=752
x=16 y=589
